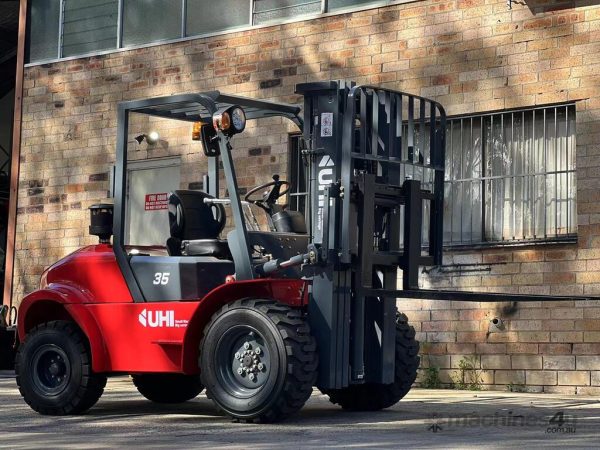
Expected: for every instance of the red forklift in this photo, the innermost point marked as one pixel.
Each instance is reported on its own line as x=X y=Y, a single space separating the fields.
x=257 y=318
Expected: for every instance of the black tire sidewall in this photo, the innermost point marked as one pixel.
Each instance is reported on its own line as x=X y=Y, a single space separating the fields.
x=26 y=373
x=168 y=388
x=269 y=393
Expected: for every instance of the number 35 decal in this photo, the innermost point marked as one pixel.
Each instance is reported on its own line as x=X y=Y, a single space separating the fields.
x=161 y=278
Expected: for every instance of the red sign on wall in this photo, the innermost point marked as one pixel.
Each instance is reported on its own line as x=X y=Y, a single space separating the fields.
x=154 y=202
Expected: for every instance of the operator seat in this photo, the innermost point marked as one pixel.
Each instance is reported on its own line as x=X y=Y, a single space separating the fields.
x=193 y=226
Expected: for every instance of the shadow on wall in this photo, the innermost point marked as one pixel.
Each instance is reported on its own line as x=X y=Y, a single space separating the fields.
x=544 y=6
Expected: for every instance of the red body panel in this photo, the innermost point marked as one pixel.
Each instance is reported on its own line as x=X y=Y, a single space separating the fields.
x=133 y=347
x=88 y=287
x=94 y=272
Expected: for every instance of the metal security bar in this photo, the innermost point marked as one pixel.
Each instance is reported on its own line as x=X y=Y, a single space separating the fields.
x=510 y=176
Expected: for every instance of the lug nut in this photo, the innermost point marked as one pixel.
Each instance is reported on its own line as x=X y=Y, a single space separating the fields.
x=258 y=351
x=261 y=366
x=237 y=356
x=252 y=377
x=240 y=371
x=246 y=345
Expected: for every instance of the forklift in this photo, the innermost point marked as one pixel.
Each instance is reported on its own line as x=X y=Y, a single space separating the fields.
x=257 y=318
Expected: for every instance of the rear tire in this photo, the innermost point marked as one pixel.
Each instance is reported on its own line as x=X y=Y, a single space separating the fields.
x=372 y=396
x=54 y=370
x=258 y=360
x=167 y=387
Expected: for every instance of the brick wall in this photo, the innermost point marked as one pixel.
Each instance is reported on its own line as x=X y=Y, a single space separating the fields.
x=471 y=55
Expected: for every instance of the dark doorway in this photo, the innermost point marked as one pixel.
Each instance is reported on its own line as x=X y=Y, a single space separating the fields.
x=9 y=22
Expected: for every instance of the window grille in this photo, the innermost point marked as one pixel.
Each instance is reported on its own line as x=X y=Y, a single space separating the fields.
x=510 y=176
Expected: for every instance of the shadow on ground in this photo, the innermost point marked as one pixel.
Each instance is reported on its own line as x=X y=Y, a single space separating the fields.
x=424 y=419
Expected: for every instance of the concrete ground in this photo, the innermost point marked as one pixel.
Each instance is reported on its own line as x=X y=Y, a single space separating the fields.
x=424 y=419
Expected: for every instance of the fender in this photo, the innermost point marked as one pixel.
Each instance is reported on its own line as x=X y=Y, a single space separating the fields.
x=292 y=292
x=71 y=300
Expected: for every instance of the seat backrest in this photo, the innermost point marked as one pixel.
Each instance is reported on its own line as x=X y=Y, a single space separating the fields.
x=289 y=222
x=190 y=218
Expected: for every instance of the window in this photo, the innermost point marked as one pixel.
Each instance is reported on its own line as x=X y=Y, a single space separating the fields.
x=273 y=10
x=89 y=26
x=341 y=4
x=510 y=177
x=43 y=23
x=150 y=21
x=208 y=16
x=70 y=28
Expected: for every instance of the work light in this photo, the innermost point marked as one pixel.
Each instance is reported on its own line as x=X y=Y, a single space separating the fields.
x=230 y=121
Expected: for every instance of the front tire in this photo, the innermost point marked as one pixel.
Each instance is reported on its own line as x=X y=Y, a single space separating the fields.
x=54 y=370
x=167 y=387
x=258 y=360
x=373 y=396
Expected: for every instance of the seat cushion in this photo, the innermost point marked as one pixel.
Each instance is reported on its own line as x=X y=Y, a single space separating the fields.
x=206 y=247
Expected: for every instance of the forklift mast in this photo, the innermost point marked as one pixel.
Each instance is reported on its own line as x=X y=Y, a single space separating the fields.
x=376 y=174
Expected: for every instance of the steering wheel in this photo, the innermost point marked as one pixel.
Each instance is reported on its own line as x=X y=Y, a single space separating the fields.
x=268 y=198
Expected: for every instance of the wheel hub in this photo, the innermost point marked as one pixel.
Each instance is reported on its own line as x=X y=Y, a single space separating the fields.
x=249 y=359
x=54 y=369
x=250 y=362
x=51 y=370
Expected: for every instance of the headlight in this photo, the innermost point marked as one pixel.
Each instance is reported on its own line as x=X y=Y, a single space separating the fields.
x=238 y=119
x=230 y=121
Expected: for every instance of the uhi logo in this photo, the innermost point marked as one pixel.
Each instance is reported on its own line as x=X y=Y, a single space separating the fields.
x=324 y=178
x=155 y=319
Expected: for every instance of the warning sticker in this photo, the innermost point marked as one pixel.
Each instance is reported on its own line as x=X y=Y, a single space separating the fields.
x=326 y=124
x=155 y=202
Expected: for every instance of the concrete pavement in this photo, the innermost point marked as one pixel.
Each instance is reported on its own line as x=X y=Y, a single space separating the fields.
x=424 y=419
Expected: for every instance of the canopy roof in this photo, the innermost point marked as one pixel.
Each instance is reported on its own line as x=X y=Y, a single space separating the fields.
x=200 y=107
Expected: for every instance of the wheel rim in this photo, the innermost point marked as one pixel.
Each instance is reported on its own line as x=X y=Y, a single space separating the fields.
x=51 y=369
x=243 y=361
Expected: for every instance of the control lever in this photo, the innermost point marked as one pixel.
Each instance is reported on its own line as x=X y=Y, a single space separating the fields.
x=311 y=257
x=217 y=201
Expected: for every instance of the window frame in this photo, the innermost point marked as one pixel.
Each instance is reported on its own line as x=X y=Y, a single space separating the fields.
x=375 y=4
